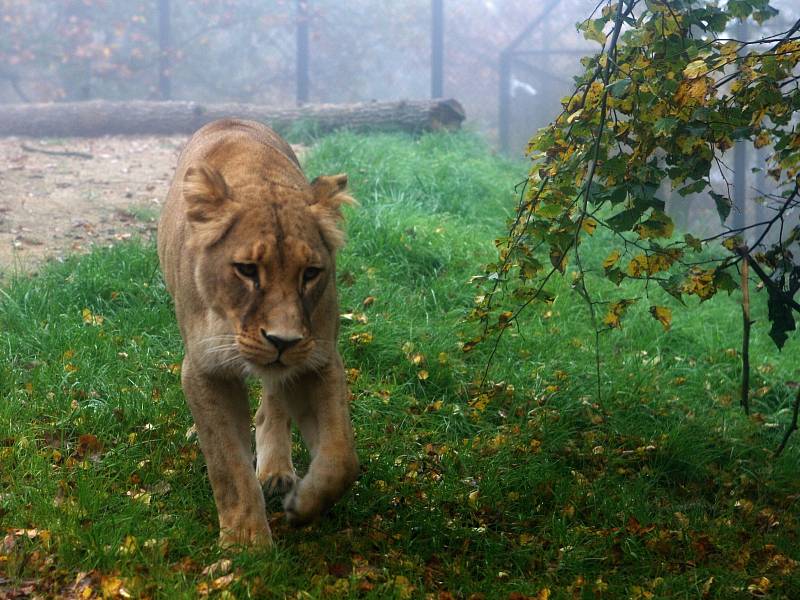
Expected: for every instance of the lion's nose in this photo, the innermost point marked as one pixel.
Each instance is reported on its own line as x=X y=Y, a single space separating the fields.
x=281 y=343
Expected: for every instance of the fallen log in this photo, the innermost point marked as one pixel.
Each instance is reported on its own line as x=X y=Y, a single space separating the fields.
x=100 y=117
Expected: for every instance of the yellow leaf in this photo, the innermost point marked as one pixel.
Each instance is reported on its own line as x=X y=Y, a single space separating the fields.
x=762 y=139
x=663 y=315
x=694 y=69
x=223 y=582
x=575 y=115
x=611 y=259
x=361 y=339
x=659 y=225
x=479 y=403
x=589 y=225
x=759 y=587
x=729 y=48
x=637 y=265
x=692 y=92
x=543 y=594
x=616 y=311
x=112 y=587
x=558 y=259
x=700 y=283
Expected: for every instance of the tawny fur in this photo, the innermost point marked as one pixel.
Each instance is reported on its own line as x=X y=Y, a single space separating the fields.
x=239 y=198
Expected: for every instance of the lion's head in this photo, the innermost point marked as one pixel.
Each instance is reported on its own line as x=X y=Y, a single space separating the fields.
x=266 y=266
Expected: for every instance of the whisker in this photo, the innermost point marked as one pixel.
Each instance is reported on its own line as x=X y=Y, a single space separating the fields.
x=218 y=349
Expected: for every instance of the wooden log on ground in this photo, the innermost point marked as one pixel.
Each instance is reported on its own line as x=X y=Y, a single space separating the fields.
x=100 y=117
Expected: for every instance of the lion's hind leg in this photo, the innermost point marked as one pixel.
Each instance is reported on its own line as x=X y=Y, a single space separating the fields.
x=274 y=467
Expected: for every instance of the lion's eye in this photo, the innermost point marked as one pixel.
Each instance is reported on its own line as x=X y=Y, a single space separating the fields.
x=248 y=270
x=311 y=273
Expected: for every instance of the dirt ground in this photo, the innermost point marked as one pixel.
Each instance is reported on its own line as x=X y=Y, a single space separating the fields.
x=58 y=197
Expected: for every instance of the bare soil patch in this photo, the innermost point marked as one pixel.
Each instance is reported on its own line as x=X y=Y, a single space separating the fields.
x=61 y=196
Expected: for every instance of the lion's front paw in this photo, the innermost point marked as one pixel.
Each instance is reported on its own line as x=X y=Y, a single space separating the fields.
x=302 y=505
x=257 y=534
x=278 y=482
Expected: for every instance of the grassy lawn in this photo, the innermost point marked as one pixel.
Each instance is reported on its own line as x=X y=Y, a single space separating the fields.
x=661 y=488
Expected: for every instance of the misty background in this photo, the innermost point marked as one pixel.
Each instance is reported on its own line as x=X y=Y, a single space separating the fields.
x=246 y=51
x=509 y=62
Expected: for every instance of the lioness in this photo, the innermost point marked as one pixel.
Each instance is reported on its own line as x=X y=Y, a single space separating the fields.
x=248 y=248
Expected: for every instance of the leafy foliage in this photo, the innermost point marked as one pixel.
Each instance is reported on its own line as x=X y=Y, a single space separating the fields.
x=663 y=103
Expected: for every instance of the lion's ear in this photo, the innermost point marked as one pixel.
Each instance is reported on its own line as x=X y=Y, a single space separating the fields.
x=329 y=193
x=205 y=191
x=326 y=187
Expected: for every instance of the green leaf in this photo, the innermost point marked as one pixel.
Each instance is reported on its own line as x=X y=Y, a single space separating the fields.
x=659 y=225
x=619 y=87
x=625 y=220
x=593 y=30
x=615 y=275
x=724 y=281
x=549 y=211
x=665 y=125
x=739 y=8
x=781 y=317
x=673 y=287
x=693 y=242
x=693 y=188
x=723 y=205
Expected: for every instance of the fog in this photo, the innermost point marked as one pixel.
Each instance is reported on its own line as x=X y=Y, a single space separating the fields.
x=247 y=51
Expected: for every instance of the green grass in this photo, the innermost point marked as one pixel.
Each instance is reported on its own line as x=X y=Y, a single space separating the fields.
x=660 y=487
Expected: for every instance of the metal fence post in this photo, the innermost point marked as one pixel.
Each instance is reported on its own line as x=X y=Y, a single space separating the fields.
x=301 y=64
x=437 y=48
x=164 y=70
x=504 y=103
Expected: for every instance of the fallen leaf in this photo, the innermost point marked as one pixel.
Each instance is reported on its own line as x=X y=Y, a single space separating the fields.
x=92 y=319
x=216 y=569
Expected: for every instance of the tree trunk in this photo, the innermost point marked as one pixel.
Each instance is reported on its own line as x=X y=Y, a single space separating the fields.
x=100 y=117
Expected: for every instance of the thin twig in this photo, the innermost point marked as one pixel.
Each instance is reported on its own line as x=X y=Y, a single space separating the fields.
x=792 y=425
x=762 y=275
x=746 y=323
x=587 y=190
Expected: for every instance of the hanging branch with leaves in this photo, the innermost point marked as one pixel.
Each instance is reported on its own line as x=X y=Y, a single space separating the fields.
x=664 y=101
